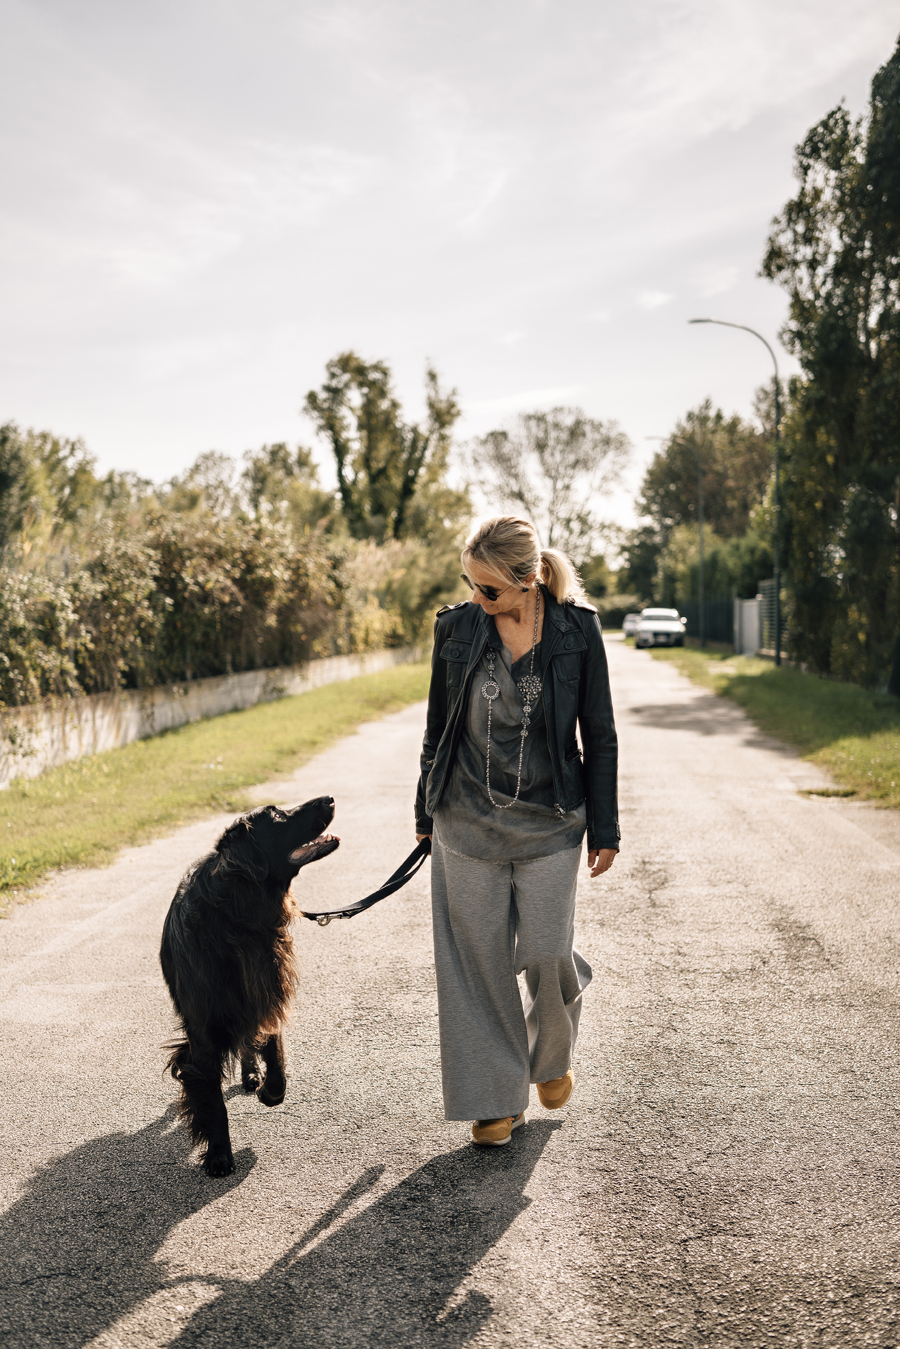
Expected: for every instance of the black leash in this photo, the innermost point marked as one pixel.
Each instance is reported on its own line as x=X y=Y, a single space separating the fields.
x=404 y=873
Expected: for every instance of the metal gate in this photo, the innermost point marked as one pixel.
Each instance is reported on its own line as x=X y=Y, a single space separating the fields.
x=718 y=618
x=767 y=617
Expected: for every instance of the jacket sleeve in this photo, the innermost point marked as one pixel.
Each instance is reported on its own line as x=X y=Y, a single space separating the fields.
x=434 y=727
x=599 y=743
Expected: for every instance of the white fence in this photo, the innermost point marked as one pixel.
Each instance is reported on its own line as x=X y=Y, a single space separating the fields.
x=42 y=735
x=747 y=627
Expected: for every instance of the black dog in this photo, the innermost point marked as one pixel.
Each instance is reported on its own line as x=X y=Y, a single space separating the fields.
x=227 y=957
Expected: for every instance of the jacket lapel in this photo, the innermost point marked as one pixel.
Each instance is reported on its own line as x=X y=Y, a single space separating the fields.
x=479 y=641
x=559 y=626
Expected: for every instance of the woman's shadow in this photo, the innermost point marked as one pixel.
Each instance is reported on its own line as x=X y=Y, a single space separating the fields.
x=77 y=1248
x=387 y=1275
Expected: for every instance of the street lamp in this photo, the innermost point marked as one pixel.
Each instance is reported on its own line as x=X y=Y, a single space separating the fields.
x=686 y=444
x=777 y=550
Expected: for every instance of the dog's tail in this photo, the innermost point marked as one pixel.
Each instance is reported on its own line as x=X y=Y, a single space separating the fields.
x=184 y=1062
x=179 y=1052
x=180 y=1066
x=200 y=1083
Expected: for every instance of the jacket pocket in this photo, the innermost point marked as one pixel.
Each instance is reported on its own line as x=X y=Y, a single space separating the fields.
x=573 y=777
x=455 y=653
x=456 y=649
x=568 y=657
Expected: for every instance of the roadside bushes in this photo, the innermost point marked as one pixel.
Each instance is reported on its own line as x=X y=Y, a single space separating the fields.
x=166 y=597
x=234 y=595
x=117 y=582
x=116 y=606
x=140 y=592
x=41 y=637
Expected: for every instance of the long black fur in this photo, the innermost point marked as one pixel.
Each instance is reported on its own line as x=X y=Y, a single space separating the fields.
x=227 y=957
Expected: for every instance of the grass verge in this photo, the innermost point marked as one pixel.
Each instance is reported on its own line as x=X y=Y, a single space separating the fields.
x=85 y=811
x=850 y=732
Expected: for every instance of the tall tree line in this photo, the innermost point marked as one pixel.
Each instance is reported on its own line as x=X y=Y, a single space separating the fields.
x=733 y=458
x=835 y=248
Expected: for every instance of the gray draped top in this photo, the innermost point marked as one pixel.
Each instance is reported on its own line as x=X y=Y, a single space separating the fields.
x=465 y=821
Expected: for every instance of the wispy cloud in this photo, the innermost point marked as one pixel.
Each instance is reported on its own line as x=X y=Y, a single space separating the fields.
x=714 y=280
x=654 y=299
x=524 y=401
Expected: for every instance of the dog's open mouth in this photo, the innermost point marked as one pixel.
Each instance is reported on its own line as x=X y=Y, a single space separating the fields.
x=311 y=852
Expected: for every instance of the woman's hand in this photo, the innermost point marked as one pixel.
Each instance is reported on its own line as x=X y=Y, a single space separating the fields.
x=600 y=860
x=419 y=837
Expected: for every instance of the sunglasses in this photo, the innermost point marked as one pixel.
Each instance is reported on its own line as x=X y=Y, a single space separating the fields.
x=490 y=593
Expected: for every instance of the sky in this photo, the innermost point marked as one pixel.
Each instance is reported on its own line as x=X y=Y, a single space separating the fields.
x=203 y=201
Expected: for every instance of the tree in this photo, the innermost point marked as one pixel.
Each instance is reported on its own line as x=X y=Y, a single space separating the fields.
x=835 y=248
x=285 y=483
x=596 y=575
x=736 y=460
x=640 y=550
x=44 y=479
x=123 y=489
x=736 y=465
x=729 y=565
x=382 y=462
x=17 y=486
x=551 y=466
x=209 y=482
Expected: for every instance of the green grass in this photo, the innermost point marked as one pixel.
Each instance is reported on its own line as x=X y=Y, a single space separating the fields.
x=85 y=811
x=851 y=733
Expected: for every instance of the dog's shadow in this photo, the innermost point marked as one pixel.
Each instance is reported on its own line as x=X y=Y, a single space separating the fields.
x=78 y=1247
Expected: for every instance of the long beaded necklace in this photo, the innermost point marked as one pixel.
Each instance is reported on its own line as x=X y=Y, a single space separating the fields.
x=530 y=689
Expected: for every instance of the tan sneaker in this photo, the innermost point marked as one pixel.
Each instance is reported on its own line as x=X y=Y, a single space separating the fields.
x=554 y=1094
x=493 y=1133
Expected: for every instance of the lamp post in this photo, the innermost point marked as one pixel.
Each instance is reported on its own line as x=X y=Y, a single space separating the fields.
x=678 y=440
x=777 y=549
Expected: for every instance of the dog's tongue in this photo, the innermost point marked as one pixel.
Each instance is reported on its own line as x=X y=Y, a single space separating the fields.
x=307 y=847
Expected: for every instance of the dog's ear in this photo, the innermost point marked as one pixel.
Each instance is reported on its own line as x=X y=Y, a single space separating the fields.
x=240 y=854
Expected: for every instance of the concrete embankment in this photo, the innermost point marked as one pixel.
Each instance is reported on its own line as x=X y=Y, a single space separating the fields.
x=43 y=735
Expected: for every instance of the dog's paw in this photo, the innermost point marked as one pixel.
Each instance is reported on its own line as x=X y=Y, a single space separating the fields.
x=218 y=1164
x=268 y=1096
x=250 y=1082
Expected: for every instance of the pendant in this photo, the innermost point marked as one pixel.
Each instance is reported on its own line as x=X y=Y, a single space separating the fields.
x=530 y=689
x=490 y=689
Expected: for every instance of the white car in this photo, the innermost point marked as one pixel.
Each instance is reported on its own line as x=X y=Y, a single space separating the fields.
x=629 y=624
x=660 y=627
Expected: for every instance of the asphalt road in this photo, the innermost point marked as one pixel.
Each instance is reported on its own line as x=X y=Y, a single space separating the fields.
x=726 y=1173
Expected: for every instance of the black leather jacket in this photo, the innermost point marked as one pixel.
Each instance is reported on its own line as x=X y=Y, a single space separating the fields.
x=576 y=688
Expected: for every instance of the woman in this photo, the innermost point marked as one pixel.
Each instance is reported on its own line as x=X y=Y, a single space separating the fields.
x=506 y=800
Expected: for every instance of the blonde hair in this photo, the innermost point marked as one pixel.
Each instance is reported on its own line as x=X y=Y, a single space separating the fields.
x=509 y=547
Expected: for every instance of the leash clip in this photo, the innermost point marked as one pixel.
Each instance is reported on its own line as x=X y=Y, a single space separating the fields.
x=324 y=919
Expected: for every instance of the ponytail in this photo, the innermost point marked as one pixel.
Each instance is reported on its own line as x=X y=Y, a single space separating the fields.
x=560 y=577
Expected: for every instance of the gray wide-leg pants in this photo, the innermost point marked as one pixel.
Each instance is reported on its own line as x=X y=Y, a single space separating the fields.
x=492 y=922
